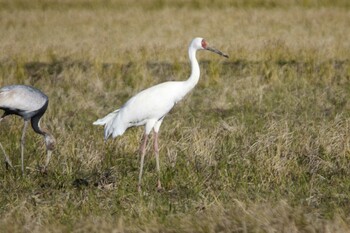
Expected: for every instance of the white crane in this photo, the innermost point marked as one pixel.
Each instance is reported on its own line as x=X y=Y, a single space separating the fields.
x=30 y=104
x=150 y=106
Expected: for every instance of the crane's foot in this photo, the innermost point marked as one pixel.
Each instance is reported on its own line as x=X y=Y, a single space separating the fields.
x=7 y=158
x=42 y=170
x=159 y=187
x=8 y=165
x=139 y=189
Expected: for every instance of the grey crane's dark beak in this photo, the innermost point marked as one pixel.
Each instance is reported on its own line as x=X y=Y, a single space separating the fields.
x=216 y=51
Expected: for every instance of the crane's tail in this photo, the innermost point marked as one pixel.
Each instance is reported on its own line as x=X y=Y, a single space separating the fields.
x=107 y=121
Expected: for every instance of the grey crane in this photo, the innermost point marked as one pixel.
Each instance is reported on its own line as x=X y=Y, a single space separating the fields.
x=30 y=104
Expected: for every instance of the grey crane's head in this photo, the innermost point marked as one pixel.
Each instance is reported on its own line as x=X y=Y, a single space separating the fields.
x=200 y=43
x=50 y=143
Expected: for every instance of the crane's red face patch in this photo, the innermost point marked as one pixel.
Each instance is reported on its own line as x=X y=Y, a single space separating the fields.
x=204 y=44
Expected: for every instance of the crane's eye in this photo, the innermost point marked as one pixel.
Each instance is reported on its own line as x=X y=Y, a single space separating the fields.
x=204 y=44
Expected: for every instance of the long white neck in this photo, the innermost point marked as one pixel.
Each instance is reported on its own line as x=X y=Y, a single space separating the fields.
x=191 y=82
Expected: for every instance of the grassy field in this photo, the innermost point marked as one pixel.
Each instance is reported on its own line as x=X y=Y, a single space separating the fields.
x=262 y=144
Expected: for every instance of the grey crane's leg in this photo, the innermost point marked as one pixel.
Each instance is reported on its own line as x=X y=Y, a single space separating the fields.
x=143 y=153
x=7 y=159
x=22 y=144
x=156 y=151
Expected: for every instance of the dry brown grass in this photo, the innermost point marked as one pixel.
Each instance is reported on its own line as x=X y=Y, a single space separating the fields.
x=110 y=35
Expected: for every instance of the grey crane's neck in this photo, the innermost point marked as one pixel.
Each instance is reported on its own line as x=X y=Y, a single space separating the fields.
x=191 y=82
x=36 y=126
x=49 y=139
x=35 y=121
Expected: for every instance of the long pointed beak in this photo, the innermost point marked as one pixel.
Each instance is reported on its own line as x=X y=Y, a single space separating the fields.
x=216 y=51
x=48 y=158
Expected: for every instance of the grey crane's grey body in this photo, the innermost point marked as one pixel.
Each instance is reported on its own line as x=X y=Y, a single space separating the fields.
x=150 y=106
x=30 y=104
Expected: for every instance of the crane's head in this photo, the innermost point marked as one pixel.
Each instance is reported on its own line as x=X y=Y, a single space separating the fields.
x=200 y=43
x=50 y=143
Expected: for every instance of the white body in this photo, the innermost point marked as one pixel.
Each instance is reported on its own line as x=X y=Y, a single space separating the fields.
x=146 y=108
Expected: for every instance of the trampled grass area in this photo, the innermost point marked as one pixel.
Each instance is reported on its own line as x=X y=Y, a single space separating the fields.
x=262 y=144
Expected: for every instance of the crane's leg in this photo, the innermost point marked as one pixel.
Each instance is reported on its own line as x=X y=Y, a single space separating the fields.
x=156 y=151
x=7 y=159
x=143 y=153
x=22 y=144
